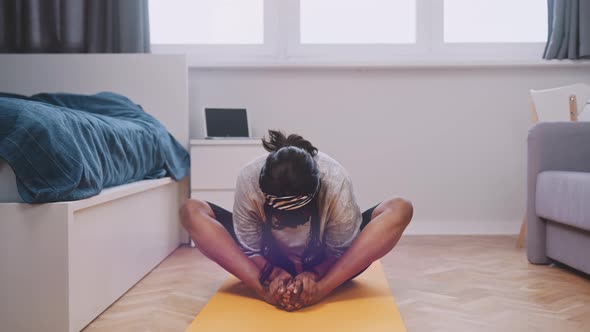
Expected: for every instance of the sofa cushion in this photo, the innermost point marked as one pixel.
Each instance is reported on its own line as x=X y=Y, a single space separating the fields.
x=564 y=197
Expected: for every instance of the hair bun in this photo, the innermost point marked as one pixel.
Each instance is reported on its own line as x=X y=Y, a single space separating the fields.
x=278 y=140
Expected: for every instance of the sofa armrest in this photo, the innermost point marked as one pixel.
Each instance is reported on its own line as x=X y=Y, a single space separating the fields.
x=560 y=146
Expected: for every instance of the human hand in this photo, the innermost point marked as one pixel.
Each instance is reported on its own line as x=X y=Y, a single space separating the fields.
x=302 y=291
x=279 y=279
x=290 y=296
x=311 y=291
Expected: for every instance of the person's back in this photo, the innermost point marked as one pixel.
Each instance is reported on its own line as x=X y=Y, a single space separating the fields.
x=337 y=210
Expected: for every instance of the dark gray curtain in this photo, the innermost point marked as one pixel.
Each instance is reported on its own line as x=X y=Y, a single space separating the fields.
x=74 y=26
x=569 y=29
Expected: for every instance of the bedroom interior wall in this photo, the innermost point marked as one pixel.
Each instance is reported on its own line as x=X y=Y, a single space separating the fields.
x=452 y=140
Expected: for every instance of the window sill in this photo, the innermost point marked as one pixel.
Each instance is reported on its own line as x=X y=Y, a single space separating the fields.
x=450 y=63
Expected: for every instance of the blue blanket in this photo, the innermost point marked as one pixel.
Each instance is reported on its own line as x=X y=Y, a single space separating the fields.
x=66 y=147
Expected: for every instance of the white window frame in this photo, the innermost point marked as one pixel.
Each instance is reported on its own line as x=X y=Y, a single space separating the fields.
x=352 y=52
x=233 y=53
x=493 y=51
x=282 y=46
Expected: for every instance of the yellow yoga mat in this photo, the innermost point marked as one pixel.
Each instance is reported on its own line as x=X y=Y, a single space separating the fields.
x=364 y=304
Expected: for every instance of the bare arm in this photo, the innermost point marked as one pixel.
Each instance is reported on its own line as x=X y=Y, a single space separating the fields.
x=322 y=269
x=248 y=229
x=341 y=229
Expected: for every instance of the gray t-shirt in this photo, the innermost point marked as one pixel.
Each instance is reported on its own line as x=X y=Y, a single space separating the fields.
x=340 y=216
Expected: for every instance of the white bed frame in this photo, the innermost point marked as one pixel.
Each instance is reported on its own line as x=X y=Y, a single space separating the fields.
x=62 y=264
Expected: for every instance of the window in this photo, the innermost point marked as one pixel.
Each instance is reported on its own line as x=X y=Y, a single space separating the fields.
x=357 y=21
x=207 y=21
x=347 y=31
x=495 y=21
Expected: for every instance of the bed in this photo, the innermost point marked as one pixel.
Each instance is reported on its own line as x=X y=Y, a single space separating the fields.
x=64 y=263
x=8 y=190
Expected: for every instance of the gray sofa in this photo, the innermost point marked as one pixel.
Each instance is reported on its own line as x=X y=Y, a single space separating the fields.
x=558 y=194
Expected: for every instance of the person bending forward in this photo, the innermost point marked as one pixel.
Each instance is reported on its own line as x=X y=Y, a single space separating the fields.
x=296 y=232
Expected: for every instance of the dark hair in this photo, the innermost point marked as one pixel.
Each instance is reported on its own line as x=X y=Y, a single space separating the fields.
x=290 y=168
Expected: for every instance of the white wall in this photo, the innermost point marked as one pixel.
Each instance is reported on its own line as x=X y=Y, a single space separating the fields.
x=451 y=140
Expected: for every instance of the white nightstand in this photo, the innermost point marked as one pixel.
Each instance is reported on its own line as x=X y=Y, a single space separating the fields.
x=215 y=164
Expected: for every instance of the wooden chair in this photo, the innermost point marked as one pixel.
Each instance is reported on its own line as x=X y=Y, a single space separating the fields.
x=557 y=105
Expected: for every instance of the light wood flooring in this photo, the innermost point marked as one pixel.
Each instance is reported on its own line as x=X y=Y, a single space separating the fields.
x=440 y=283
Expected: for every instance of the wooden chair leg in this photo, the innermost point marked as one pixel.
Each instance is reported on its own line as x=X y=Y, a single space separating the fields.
x=573 y=108
x=520 y=241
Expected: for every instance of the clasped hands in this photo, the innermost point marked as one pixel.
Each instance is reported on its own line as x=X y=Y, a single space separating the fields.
x=292 y=293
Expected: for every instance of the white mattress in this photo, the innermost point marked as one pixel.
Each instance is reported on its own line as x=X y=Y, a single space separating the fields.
x=8 y=191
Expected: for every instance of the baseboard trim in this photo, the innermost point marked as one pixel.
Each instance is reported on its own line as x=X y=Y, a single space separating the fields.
x=429 y=227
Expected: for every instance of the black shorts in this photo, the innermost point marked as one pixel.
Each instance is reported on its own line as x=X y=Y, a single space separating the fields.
x=225 y=217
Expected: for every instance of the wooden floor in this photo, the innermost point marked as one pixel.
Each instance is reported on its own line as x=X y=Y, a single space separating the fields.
x=440 y=283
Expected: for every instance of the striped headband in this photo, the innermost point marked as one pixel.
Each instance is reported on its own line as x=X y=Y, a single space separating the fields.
x=289 y=203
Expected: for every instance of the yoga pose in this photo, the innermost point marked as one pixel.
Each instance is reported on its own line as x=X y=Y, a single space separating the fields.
x=296 y=232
